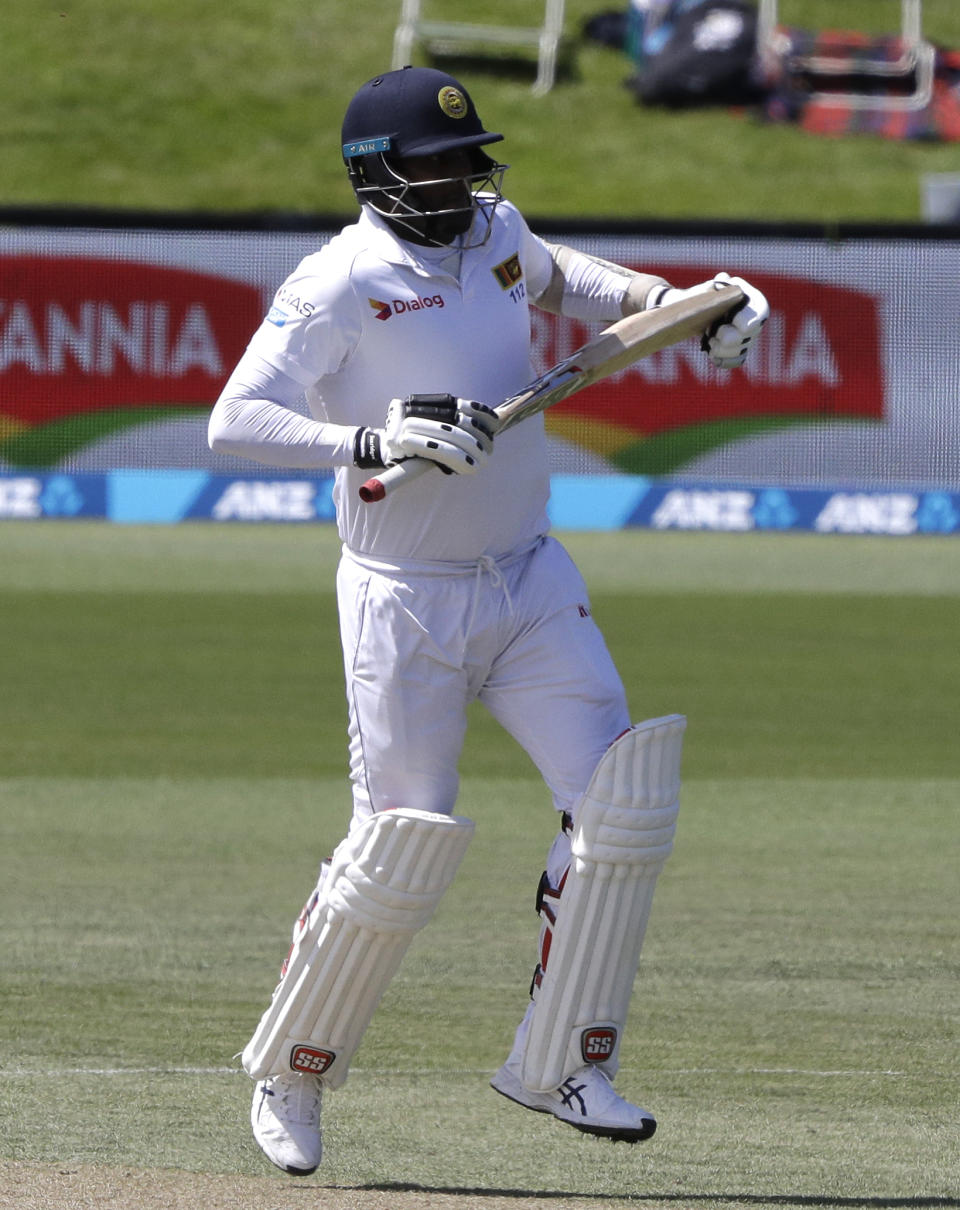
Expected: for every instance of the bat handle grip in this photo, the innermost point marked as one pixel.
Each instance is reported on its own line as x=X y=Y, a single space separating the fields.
x=380 y=486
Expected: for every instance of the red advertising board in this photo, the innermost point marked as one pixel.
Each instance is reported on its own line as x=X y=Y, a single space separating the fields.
x=818 y=359
x=90 y=345
x=84 y=334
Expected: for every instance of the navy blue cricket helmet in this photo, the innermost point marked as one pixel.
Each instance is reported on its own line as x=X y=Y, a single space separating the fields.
x=424 y=115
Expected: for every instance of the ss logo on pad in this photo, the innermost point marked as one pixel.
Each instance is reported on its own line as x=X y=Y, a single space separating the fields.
x=597 y=1044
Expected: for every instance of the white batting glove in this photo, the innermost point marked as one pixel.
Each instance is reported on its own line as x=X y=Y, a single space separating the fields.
x=728 y=344
x=457 y=434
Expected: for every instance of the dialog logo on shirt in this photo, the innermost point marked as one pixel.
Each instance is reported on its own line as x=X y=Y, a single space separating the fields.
x=401 y=306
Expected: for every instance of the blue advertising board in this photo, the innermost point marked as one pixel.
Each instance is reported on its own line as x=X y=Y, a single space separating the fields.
x=578 y=502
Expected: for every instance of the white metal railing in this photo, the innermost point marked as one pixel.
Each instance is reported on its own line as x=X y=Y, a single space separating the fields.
x=448 y=37
x=917 y=59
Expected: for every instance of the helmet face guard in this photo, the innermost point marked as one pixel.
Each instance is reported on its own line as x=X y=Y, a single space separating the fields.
x=413 y=148
x=432 y=209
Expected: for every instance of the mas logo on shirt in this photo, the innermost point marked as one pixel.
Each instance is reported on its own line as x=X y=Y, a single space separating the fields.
x=287 y=306
x=508 y=272
x=401 y=306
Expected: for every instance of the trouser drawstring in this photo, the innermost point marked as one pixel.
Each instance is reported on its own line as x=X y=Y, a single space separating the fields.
x=487 y=564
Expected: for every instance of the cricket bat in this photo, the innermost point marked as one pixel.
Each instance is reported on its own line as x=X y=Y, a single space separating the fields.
x=624 y=342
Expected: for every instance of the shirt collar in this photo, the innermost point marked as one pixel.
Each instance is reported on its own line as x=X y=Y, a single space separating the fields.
x=386 y=244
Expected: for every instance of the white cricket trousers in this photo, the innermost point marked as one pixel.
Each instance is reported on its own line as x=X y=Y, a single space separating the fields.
x=421 y=641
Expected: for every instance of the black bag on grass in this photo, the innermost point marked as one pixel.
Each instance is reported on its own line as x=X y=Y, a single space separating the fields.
x=699 y=52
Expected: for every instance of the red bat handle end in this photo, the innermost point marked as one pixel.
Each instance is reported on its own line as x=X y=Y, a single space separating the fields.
x=372 y=491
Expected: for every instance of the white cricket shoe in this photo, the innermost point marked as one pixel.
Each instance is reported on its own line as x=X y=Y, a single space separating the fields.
x=586 y=1101
x=285 y=1117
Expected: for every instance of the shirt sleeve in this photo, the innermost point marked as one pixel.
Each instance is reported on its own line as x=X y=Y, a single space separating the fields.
x=313 y=324
x=587 y=287
x=256 y=418
x=310 y=330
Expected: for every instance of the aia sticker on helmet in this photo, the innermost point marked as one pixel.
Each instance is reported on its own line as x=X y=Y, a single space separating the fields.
x=452 y=102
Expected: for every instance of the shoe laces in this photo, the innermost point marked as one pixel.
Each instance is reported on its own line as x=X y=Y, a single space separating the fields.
x=599 y=1087
x=299 y=1100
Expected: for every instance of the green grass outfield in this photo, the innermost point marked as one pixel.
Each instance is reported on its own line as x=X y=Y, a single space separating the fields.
x=172 y=768
x=180 y=104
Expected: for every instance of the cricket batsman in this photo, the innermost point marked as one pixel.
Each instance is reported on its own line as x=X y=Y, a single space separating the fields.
x=401 y=334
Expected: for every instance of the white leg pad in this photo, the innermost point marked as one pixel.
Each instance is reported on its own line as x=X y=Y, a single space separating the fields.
x=383 y=885
x=623 y=833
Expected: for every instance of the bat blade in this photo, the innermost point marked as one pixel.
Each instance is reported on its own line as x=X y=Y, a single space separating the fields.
x=619 y=346
x=615 y=348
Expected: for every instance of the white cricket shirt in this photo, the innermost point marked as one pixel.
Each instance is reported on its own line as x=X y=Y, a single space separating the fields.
x=366 y=319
